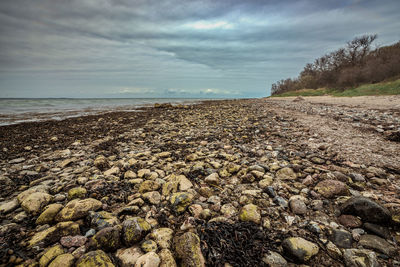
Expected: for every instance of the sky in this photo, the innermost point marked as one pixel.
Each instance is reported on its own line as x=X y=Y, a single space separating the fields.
x=175 y=48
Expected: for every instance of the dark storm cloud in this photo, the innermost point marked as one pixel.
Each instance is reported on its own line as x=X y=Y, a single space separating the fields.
x=175 y=46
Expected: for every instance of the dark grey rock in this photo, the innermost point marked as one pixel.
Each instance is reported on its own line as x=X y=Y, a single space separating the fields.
x=354 y=257
x=367 y=209
x=341 y=238
x=378 y=244
x=377 y=230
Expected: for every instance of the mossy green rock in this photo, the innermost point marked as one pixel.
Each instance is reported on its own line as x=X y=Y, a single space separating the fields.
x=77 y=192
x=50 y=255
x=180 y=201
x=78 y=208
x=149 y=246
x=53 y=234
x=35 y=202
x=299 y=249
x=149 y=185
x=49 y=214
x=63 y=260
x=250 y=213
x=286 y=174
x=102 y=219
x=163 y=237
x=96 y=258
x=107 y=239
x=134 y=230
x=187 y=246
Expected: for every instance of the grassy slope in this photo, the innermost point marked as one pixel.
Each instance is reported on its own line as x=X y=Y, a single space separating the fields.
x=383 y=88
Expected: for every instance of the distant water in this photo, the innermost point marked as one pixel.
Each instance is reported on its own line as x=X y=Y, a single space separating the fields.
x=17 y=110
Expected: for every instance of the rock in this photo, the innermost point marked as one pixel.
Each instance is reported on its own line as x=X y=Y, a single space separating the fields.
x=77 y=192
x=149 y=246
x=113 y=171
x=180 y=201
x=377 y=229
x=298 y=206
x=77 y=208
x=101 y=163
x=143 y=173
x=286 y=174
x=8 y=228
x=48 y=215
x=162 y=236
x=212 y=179
x=187 y=247
x=377 y=243
x=53 y=234
x=34 y=203
x=73 y=241
x=184 y=183
x=281 y=202
x=367 y=210
x=270 y=191
x=264 y=183
x=360 y=258
x=332 y=188
x=341 y=238
x=349 y=221
x=195 y=210
x=63 y=260
x=50 y=255
x=8 y=206
x=250 y=213
x=167 y=259
x=149 y=185
x=127 y=257
x=93 y=259
x=102 y=219
x=20 y=217
x=334 y=251
x=299 y=249
x=150 y=259
x=274 y=259
x=108 y=239
x=228 y=210
x=66 y=163
x=152 y=197
x=17 y=160
x=134 y=230
x=130 y=175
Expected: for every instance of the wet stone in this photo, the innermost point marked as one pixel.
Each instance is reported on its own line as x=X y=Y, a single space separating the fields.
x=274 y=259
x=148 y=246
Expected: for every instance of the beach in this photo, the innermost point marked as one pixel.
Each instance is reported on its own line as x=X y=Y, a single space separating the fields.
x=250 y=182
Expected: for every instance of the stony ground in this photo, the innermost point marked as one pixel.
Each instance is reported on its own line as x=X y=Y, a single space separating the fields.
x=263 y=182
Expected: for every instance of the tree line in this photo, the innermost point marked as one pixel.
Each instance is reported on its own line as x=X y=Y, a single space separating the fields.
x=352 y=65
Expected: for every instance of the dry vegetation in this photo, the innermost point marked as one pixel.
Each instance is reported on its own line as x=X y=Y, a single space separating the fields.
x=346 y=67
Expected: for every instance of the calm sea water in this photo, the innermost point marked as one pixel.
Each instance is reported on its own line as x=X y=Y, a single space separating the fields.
x=22 y=110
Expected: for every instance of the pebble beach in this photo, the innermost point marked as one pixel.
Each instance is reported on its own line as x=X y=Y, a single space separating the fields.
x=253 y=182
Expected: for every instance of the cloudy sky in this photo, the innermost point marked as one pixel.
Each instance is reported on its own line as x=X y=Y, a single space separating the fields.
x=174 y=48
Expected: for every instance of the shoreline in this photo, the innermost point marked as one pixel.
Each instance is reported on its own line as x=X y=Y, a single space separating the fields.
x=269 y=172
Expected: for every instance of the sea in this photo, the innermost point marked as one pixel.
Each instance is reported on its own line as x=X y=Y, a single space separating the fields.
x=18 y=110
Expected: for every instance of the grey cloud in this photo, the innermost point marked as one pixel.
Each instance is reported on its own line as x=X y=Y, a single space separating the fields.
x=153 y=44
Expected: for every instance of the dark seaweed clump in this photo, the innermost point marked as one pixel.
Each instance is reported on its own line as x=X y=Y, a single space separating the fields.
x=239 y=244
